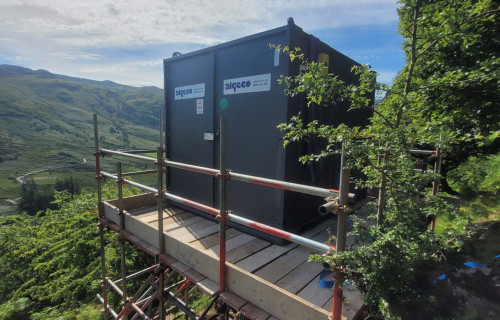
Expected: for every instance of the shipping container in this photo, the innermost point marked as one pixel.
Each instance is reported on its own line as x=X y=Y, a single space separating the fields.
x=238 y=80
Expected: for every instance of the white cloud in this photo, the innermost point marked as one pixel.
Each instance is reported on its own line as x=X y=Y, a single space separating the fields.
x=386 y=76
x=51 y=32
x=76 y=56
x=17 y=58
x=99 y=23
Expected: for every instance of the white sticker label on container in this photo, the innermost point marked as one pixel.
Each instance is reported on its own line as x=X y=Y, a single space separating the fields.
x=276 y=57
x=257 y=83
x=209 y=136
x=190 y=92
x=199 y=106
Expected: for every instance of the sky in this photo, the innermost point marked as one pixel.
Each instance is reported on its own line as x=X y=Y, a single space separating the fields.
x=125 y=41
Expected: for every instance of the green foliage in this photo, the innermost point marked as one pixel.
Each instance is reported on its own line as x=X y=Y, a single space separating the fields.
x=447 y=96
x=456 y=73
x=53 y=258
x=87 y=312
x=69 y=184
x=478 y=182
x=476 y=176
x=15 y=309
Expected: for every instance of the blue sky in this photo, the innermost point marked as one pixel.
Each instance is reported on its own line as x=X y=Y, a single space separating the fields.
x=125 y=41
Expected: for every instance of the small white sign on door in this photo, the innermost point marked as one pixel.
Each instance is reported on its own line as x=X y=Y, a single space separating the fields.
x=199 y=106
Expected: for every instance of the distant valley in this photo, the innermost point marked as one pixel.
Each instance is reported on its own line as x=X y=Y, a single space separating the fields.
x=46 y=125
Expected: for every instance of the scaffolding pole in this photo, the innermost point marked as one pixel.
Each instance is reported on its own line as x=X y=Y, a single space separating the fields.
x=138 y=273
x=126 y=154
x=98 y=177
x=436 y=182
x=160 y=197
x=341 y=234
x=121 y=240
x=222 y=207
x=131 y=302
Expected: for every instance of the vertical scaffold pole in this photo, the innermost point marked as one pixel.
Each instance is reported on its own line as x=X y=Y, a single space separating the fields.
x=101 y=215
x=161 y=129
x=437 y=171
x=121 y=239
x=160 y=196
x=341 y=233
x=222 y=207
x=435 y=183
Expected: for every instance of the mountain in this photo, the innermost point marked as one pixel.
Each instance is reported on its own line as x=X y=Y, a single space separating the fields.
x=46 y=121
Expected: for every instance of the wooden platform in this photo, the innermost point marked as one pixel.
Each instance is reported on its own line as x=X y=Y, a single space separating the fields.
x=264 y=280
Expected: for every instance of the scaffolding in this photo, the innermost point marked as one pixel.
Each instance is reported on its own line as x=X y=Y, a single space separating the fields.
x=155 y=290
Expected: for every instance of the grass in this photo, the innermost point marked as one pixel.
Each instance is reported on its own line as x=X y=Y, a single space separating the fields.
x=478 y=210
x=8 y=188
x=484 y=208
x=478 y=181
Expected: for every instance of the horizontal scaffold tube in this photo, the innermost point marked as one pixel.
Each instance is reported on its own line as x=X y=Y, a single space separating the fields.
x=423 y=151
x=139 y=151
x=323 y=248
x=315 y=191
x=190 y=167
x=113 y=313
x=135 y=173
x=132 y=183
x=125 y=154
x=150 y=269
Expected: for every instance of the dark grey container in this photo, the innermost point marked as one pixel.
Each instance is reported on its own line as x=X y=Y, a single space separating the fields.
x=238 y=80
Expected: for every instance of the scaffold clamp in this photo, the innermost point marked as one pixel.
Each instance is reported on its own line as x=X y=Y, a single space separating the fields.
x=223 y=176
x=221 y=218
x=160 y=195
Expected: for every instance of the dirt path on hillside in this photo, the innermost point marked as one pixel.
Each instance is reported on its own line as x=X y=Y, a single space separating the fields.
x=22 y=178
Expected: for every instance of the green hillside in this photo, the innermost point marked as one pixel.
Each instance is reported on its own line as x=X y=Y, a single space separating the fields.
x=46 y=123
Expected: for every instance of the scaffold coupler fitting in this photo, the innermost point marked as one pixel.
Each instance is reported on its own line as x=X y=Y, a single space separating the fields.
x=331 y=205
x=223 y=176
x=223 y=218
x=160 y=195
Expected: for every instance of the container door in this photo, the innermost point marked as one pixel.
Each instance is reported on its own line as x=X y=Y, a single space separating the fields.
x=190 y=124
x=254 y=104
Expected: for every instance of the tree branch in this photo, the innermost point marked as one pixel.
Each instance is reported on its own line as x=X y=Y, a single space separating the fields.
x=384 y=118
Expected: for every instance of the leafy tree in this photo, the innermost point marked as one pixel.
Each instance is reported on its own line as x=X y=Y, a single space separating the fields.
x=69 y=184
x=456 y=73
x=445 y=95
x=53 y=259
x=34 y=198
